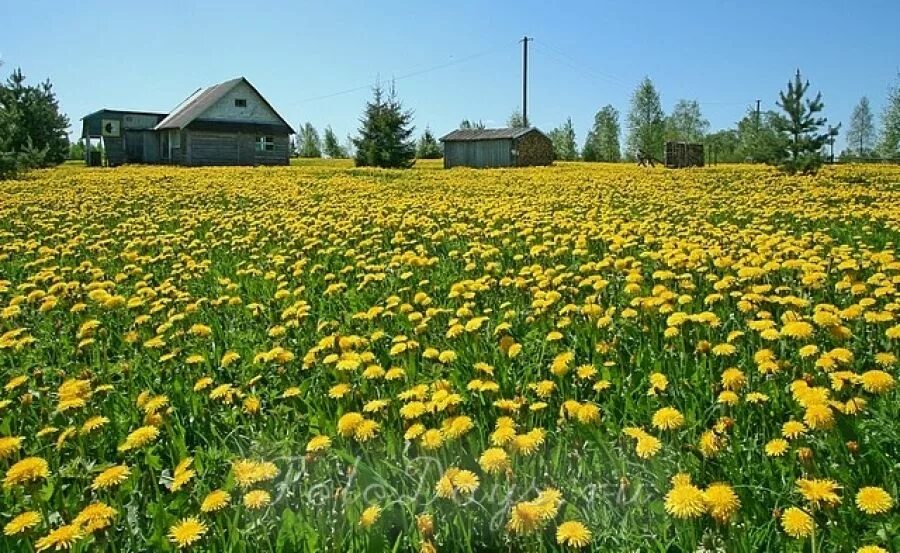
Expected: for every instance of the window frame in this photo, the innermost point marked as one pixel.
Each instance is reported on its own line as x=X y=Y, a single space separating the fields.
x=240 y=102
x=265 y=143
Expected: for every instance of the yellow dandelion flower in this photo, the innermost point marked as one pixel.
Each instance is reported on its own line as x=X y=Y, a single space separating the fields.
x=370 y=516
x=685 y=501
x=139 y=438
x=215 y=500
x=63 y=537
x=818 y=491
x=668 y=418
x=22 y=523
x=873 y=500
x=27 y=470
x=317 y=444
x=877 y=381
x=257 y=499
x=95 y=516
x=10 y=445
x=573 y=534
x=797 y=523
x=494 y=460
x=777 y=447
x=113 y=476
x=721 y=501
x=186 y=532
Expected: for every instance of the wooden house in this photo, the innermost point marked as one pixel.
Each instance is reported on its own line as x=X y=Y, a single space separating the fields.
x=230 y=123
x=497 y=148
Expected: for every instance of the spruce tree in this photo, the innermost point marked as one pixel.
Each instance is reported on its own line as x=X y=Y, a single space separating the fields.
x=802 y=126
x=646 y=122
x=385 y=133
x=602 y=142
x=428 y=146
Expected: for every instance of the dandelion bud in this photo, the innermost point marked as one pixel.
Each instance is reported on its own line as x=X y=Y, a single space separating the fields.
x=852 y=447
x=425 y=524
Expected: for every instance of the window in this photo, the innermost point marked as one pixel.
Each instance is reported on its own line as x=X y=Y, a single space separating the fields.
x=265 y=143
x=176 y=139
x=240 y=102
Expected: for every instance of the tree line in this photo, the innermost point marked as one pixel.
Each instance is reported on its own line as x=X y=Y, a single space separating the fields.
x=33 y=131
x=793 y=137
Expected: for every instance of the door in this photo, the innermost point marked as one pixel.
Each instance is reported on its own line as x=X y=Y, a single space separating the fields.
x=134 y=147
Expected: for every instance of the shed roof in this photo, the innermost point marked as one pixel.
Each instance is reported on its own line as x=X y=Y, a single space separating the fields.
x=197 y=103
x=468 y=135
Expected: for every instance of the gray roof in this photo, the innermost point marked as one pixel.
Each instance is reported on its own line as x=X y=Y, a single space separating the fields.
x=197 y=103
x=486 y=134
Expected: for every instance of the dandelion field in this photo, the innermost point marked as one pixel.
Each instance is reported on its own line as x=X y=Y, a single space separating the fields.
x=323 y=358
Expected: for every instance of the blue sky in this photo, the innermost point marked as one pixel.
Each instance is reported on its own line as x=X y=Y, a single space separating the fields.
x=725 y=54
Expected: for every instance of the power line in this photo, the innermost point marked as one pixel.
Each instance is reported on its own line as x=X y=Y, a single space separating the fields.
x=592 y=73
x=577 y=65
x=409 y=74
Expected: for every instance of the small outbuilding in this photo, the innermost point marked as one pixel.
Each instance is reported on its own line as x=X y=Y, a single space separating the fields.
x=230 y=123
x=683 y=154
x=497 y=148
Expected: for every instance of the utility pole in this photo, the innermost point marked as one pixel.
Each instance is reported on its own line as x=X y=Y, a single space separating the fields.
x=524 y=42
x=757 y=116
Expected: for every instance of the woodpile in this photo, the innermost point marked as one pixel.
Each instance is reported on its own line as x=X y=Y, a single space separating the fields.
x=534 y=148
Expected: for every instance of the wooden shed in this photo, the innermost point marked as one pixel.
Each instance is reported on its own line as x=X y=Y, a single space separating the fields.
x=683 y=154
x=497 y=148
x=230 y=123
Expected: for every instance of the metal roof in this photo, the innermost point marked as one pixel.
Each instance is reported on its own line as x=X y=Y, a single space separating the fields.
x=487 y=134
x=196 y=104
x=122 y=112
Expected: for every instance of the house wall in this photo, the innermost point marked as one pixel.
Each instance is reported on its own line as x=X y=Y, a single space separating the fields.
x=232 y=148
x=478 y=153
x=136 y=121
x=256 y=111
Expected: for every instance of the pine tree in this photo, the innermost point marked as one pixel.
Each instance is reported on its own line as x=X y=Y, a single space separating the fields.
x=803 y=128
x=861 y=134
x=646 y=122
x=563 y=138
x=308 y=143
x=330 y=145
x=428 y=146
x=686 y=124
x=889 y=143
x=385 y=135
x=602 y=143
x=33 y=132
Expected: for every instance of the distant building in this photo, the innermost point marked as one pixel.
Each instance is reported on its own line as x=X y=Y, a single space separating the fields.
x=497 y=148
x=226 y=124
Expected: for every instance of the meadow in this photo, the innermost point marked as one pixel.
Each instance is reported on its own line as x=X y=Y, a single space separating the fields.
x=323 y=358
